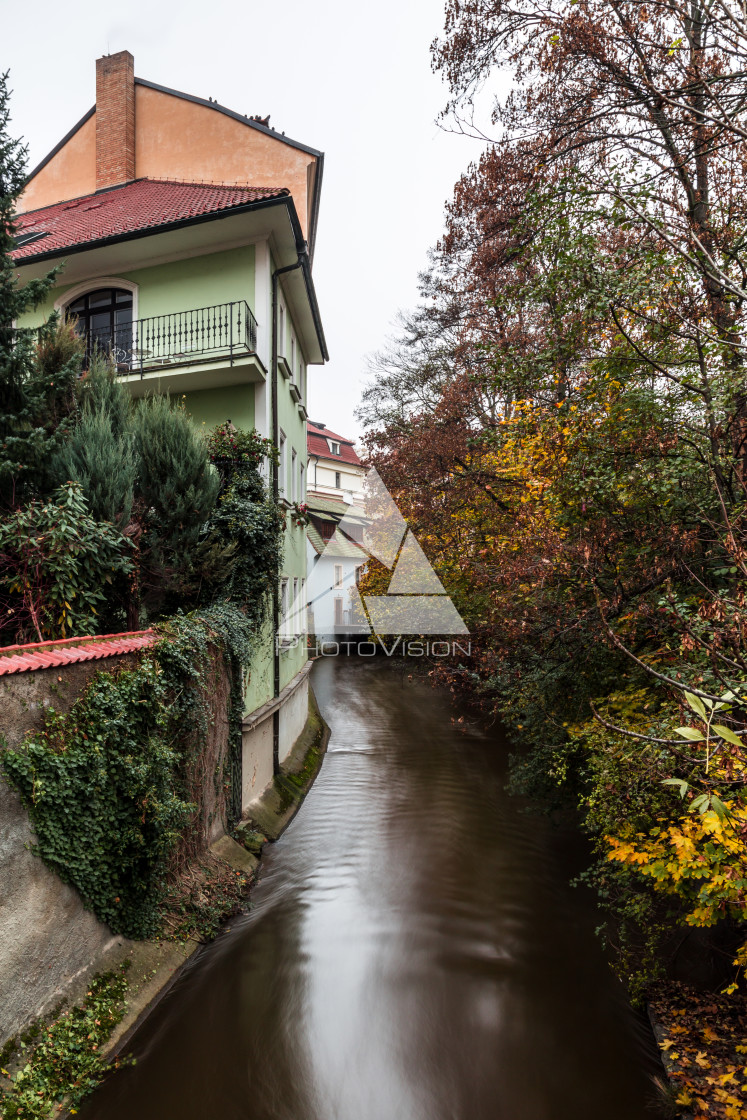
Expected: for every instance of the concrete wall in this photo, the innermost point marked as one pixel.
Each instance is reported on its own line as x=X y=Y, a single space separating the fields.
x=257 y=735
x=26 y=697
x=185 y=285
x=323 y=590
x=210 y=407
x=293 y=716
x=256 y=760
x=46 y=934
x=47 y=937
x=292 y=423
x=322 y=477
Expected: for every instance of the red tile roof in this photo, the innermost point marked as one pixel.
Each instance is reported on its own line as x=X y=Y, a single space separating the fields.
x=140 y=205
x=48 y=655
x=316 y=444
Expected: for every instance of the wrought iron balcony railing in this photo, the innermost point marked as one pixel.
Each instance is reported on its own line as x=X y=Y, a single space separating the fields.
x=226 y=330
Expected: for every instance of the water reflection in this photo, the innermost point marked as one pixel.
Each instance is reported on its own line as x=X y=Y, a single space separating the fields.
x=414 y=951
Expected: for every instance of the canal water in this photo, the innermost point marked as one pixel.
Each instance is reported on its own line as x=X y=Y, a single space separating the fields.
x=413 y=950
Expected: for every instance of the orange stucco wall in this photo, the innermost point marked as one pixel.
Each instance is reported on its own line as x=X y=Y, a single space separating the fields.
x=71 y=173
x=176 y=139
x=180 y=140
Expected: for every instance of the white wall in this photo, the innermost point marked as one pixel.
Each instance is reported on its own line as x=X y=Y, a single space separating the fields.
x=321 y=592
x=293 y=716
x=321 y=477
x=256 y=758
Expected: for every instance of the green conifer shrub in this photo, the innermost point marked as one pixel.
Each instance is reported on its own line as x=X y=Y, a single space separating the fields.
x=176 y=489
x=99 y=453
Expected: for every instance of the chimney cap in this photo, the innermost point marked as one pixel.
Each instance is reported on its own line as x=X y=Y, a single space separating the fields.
x=116 y=54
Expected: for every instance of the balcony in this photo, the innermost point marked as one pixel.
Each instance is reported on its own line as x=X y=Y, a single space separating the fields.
x=181 y=345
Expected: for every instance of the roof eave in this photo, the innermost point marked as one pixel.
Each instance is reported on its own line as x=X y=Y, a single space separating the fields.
x=314 y=215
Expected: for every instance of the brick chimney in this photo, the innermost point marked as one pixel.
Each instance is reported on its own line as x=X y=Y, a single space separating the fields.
x=115 y=119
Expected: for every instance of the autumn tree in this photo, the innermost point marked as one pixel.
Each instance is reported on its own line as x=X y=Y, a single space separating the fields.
x=562 y=419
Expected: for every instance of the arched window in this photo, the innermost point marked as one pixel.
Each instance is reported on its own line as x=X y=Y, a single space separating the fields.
x=104 y=318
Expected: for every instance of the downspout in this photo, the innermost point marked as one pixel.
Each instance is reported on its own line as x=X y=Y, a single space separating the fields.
x=316 y=464
x=275 y=428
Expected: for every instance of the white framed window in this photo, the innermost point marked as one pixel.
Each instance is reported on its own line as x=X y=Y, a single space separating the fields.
x=302 y=483
x=71 y=294
x=338 y=576
x=281 y=328
x=338 y=610
x=293 y=355
x=334 y=446
x=338 y=480
x=302 y=379
x=282 y=467
x=105 y=311
x=296 y=608
x=294 y=487
x=303 y=606
x=284 y=619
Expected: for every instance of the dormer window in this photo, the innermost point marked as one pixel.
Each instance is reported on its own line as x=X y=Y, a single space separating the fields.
x=334 y=447
x=104 y=320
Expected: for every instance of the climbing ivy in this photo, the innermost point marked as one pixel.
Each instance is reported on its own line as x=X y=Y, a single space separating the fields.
x=110 y=787
x=99 y=785
x=246 y=527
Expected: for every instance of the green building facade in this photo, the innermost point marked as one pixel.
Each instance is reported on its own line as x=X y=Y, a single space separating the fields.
x=217 y=285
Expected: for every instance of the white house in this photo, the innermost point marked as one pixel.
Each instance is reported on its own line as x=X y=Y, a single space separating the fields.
x=335 y=556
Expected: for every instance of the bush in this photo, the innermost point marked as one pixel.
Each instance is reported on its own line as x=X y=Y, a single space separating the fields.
x=56 y=564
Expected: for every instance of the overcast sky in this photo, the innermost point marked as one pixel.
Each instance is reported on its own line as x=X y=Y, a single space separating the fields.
x=353 y=80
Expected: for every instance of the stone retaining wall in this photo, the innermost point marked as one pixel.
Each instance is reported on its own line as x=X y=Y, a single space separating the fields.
x=47 y=937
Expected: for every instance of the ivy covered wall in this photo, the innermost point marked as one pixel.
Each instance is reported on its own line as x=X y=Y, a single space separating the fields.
x=115 y=780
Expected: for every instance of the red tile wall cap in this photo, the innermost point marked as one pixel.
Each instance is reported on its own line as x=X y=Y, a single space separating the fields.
x=67 y=651
x=73 y=641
